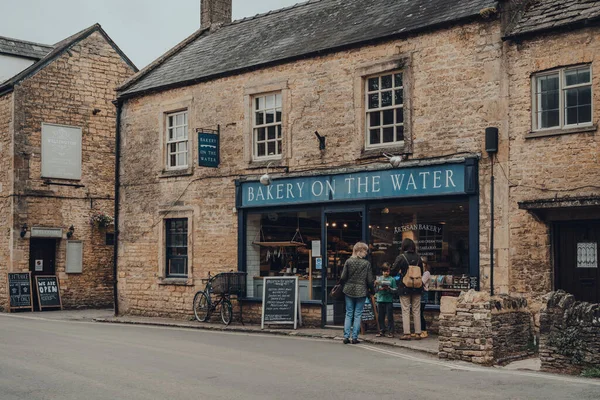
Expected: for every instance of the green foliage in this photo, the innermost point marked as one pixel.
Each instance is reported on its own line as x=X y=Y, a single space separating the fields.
x=593 y=372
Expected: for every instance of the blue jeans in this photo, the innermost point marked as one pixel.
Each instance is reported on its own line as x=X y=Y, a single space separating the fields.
x=354 y=309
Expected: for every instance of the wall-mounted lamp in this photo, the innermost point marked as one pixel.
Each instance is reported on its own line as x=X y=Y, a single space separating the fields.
x=70 y=232
x=395 y=160
x=23 y=230
x=266 y=179
x=321 y=141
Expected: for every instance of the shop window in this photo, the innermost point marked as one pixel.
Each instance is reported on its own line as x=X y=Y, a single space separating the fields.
x=280 y=244
x=562 y=98
x=177 y=140
x=441 y=233
x=385 y=109
x=267 y=134
x=176 y=247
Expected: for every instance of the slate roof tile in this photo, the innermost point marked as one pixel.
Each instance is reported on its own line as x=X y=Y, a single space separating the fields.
x=302 y=30
x=22 y=48
x=541 y=15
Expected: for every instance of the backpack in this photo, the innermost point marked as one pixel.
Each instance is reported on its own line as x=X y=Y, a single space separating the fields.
x=412 y=278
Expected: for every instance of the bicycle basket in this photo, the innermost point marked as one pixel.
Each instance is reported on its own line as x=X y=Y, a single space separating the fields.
x=229 y=283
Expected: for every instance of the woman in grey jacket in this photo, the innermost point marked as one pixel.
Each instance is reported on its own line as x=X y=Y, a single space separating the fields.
x=357 y=278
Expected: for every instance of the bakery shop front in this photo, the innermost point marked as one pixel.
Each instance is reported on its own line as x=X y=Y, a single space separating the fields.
x=306 y=225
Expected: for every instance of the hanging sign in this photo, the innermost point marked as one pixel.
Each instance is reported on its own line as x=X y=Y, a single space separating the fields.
x=19 y=290
x=48 y=291
x=280 y=303
x=208 y=148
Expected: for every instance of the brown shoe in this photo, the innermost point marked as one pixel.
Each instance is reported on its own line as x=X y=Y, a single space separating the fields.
x=405 y=337
x=417 y=336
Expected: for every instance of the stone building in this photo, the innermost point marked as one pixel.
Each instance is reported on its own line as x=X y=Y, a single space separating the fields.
x=321 y=97
x=57 y=143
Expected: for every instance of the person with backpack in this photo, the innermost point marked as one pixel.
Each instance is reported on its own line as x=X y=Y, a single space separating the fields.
x=410 y=267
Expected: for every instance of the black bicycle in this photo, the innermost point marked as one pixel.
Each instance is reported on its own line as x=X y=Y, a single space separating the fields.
x=216 y=295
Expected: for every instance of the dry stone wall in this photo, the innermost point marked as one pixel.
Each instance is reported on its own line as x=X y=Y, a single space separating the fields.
x=484 y=330
x=569 y=334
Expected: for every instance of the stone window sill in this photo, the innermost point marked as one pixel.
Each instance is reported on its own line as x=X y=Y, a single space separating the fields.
x=559 y=132
x=169 y=173
x=378 y=153
x=176 y=281
x=276 y=164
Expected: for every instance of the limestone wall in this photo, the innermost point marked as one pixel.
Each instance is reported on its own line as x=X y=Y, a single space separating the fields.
x=75 y=89
x=569 y=334
x=6 y=110
x=457 y=65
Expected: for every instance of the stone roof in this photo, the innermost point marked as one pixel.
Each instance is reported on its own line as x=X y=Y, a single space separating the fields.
x=57 y=50
x=22 y=48
x=544 y=15
x=303 y=30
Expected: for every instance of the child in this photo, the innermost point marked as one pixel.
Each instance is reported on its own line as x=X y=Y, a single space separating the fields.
x=385 y=287
x=426 y=277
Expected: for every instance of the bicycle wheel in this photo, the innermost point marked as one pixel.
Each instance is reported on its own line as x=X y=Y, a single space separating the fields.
x=226 y=312
x=201 y=307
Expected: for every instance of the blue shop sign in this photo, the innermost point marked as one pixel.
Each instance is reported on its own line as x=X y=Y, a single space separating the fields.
x=431 y=180
x=208 y=149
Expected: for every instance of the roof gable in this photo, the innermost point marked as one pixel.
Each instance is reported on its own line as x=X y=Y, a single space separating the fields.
x=60 y=48
x=303 y=30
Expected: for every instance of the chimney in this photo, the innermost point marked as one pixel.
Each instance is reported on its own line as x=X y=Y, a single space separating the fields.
x=214 y=12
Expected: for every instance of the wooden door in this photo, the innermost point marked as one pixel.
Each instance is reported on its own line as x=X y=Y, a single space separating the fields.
x=575 y=273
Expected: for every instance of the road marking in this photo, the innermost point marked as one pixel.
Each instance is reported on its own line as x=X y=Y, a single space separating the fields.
x=481 y=369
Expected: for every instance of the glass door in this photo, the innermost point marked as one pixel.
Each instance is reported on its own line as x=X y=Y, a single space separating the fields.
x=343 y=229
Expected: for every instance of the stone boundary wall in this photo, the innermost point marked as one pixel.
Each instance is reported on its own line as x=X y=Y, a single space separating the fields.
x=484 y=330
x=569 y=334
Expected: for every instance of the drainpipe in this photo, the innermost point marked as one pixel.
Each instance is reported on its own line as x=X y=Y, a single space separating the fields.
x=119 y=105
x=491 y=146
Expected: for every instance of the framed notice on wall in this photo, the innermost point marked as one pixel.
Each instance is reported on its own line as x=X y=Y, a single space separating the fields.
x=61 y=151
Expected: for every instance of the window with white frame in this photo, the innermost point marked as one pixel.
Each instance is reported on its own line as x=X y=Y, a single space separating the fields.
x=562 y=98
x=266 y=126
x=177 y=140
x=385 y=109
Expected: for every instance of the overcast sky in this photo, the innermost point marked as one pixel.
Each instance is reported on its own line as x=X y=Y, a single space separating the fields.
x=143 y=29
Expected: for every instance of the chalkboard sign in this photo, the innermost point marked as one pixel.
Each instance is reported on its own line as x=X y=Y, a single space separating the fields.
x=369 y=311
x=19 y=290
x=280 y=301
x=48 y=291
x=474 y=282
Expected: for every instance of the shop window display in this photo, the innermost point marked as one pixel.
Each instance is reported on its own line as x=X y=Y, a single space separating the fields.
x=279 y=244
x=441 y=233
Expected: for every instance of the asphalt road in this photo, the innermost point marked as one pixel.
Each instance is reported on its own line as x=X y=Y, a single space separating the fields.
x=49 y=359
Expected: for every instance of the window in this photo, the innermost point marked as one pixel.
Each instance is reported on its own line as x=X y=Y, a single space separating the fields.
x=74 y=263
x=109 y=239
x=385 y=109
x=563 y=98
x=177 y=140
x=266 y=126
x=177 y=247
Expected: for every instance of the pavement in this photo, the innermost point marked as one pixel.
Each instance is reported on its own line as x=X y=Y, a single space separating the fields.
x=68 y=357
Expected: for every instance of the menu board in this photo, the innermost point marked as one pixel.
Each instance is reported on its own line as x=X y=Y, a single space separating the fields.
x=48 y=291
x=19 y=290
x=280 y=301
x=369 y=311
